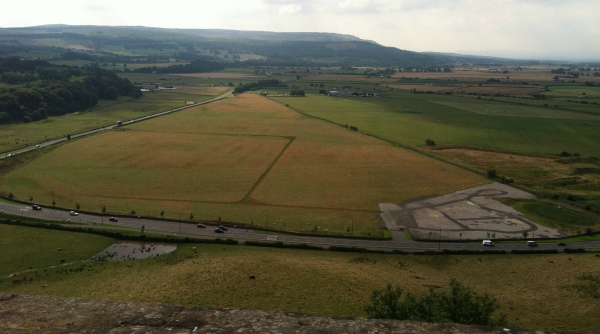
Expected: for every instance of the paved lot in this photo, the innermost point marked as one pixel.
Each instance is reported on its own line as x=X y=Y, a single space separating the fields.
x=468 y=214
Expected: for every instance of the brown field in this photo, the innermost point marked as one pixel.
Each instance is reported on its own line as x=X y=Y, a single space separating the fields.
x=223 y=75
x=80 y=47
x=463 y=75
x=426 y=87
x=507 y=90
x=209 y=161
x=527 y=75
x=350 y=78
x=535 y=291
x=484 y=89
x=208 y=91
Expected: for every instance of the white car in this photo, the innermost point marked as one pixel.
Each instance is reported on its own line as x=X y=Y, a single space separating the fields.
x=73 y=213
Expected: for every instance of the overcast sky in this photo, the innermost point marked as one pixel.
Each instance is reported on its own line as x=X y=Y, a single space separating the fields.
x=510 y=28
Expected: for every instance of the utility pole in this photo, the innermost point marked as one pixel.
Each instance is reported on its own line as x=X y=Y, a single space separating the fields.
x=440 y=240
x=267 y=223
x=179 y=222
x=352 y=226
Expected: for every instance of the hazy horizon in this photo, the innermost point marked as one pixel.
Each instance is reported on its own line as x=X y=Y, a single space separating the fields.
x=541 y=29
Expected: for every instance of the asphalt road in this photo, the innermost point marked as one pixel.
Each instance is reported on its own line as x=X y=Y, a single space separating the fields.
x=110 y=127
x=190 y=229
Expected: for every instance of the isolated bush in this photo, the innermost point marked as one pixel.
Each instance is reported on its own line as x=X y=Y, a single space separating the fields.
x=492 y=173
x=429 y=142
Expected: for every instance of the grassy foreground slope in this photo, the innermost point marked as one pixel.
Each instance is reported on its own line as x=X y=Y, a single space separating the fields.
x=247 y=160
x=532 y=291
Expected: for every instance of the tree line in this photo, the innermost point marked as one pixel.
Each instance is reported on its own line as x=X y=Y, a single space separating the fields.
x=55 y=94
x=258 y=85
x=196 y=66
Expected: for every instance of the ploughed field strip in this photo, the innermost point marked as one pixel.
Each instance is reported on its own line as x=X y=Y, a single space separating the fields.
x=467 y=214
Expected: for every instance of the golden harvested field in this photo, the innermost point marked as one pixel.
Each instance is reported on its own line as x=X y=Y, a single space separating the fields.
x=535 y=291
x=221 y=160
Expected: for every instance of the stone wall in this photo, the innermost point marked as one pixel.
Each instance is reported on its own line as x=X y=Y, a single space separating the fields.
x=48 y=314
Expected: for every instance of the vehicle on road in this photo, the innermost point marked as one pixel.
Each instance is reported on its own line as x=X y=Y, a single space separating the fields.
x=562 y=244
x=201 y=225
x=9 y=155
x=113 y=219
x=222 y=227
x=218 y=230
x=532 y=243
x=487 y=243
x=73 y=213
x=36 y=207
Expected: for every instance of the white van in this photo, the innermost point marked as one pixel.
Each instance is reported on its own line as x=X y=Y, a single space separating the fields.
x=531 y=243
x=488 y=243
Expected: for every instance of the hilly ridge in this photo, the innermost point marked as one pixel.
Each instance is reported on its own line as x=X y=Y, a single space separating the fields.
x=271 y=48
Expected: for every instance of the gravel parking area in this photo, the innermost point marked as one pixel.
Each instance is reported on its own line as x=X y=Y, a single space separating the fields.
x=467 y=214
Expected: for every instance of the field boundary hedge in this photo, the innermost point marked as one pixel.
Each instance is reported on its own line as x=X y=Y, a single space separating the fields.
x=532 y=251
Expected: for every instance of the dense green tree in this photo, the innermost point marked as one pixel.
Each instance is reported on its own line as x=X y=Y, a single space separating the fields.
x=111 y=93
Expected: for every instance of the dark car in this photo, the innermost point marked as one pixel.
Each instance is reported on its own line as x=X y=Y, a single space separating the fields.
x=200 y=225
x=113 y=219
x=223 y=227
x=36 y=207
x=218 y=230
x=562 y=244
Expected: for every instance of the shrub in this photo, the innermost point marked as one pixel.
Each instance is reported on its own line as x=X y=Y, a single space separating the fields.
x=460 y=304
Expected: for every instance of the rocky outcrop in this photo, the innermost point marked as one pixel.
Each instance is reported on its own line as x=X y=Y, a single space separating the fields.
x=48 y=314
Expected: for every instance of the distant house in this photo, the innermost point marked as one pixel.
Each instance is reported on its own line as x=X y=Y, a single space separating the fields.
x=339 y=93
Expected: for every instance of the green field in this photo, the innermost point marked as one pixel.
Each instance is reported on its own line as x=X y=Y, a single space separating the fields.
x=15 y=136
x=24 y=248
x=533 y=292
x=459 y=120
x=247 y=160
x=558 y=214
x=119 y=66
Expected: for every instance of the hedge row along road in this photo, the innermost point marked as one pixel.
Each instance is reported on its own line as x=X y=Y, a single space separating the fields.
x=189 y=229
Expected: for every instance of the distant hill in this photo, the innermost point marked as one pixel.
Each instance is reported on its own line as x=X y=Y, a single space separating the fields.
x=128 y=44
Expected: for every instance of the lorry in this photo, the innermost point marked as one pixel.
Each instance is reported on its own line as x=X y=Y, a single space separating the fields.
x=488 y=243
